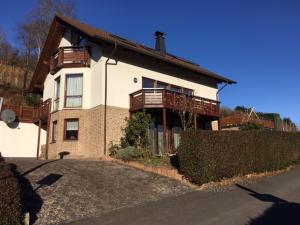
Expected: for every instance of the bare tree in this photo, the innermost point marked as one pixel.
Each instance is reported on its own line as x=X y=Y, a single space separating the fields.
x=185 y=111
x=33 y=32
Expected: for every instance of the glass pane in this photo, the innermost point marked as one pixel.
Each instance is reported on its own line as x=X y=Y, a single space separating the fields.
x=175 y=88
x=148 y=83
x=160 y=140
x=73 y=101
x=74 y=84
x=176 y=131
x=72 y=125
x=54 y=138
x=71 y=134
x=161 y=85
x=57 y=88
x=188 y=91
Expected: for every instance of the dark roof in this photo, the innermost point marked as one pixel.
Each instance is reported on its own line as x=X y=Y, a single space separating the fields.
x=98 y=34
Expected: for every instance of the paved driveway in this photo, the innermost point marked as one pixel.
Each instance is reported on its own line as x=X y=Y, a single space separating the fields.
x=272 y=201
x=67 y=190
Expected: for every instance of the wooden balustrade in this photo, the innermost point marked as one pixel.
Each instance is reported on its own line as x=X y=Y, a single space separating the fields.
x=163 y=98
x=68 y=57
x=29 y=114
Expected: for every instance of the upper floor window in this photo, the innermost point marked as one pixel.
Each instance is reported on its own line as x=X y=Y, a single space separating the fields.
x=56 y=93
x=73 y=91
x=149 y=83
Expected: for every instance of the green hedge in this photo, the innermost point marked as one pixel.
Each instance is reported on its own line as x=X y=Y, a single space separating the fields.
x=10 y=196
x=210 y=156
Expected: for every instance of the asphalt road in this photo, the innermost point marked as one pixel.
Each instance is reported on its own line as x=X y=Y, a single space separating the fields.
x=270 y=201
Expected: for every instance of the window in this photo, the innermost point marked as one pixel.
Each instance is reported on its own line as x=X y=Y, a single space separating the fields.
x=161 y=85
x=71 y=129
x=73 y=90
x=148 y=83
x=175 y=88
x=56 y=93
x=187 y=91
x=54 y=131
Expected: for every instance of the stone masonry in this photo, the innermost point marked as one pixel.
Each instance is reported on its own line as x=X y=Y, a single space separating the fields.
x=90 y=143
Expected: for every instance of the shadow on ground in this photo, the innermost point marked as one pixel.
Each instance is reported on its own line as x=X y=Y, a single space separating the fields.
x=30 y=200
x=281 y=212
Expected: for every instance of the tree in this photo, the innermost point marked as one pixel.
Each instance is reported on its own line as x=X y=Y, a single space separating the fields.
x=241 y=108
x=33 y=32
x=226 y=111
x=186 y=111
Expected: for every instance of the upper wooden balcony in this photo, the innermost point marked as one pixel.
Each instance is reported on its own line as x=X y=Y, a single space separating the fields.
x=70 y=57
x=163 y=98
x=27 y=114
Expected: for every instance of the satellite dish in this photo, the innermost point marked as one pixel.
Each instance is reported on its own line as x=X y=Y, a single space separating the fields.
x=8 y=116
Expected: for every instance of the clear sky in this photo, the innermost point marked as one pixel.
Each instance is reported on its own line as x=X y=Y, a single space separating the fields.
x=256 y=43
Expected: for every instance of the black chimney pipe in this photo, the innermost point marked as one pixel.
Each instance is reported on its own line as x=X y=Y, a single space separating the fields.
x=160 y=45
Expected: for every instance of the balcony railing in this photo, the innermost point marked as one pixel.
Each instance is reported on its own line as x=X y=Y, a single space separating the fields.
x=68 y=57
x=163 y=98
x=29 y=114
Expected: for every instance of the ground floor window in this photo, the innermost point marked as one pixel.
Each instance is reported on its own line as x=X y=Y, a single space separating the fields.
x=71 y=130
x=54 y=131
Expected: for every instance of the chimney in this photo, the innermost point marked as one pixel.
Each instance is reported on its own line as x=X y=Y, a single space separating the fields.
x=160 y=45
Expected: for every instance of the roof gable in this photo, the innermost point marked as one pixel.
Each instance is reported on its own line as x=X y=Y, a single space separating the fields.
x=97 y=35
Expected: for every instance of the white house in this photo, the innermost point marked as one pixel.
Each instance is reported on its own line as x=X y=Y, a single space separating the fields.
x=96 y=79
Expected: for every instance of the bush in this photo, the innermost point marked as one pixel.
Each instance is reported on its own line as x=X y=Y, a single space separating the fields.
x=251 y=126
x=10 y=196
x=206 y=156
x=136 y=130
x=129 y=153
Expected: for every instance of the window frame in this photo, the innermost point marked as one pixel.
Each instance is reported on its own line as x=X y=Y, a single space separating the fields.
x=168 y=86
x=65 y=129
x=66 y=88
x=52 y=138
x=56 y=98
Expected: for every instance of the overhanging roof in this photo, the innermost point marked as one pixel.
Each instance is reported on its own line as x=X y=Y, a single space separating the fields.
x=61 y=22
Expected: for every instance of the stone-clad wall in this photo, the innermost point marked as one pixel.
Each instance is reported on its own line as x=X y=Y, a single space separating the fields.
x=91 y=129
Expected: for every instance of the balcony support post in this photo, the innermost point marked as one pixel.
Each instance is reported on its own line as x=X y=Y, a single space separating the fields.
x=38 y=140
x=165 y=128
x=195 y=121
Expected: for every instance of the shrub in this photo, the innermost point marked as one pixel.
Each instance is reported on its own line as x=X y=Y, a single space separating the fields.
x=10 y=196
x=210 y=156
x=129 y=153
x=136 y=130
x=251 y=126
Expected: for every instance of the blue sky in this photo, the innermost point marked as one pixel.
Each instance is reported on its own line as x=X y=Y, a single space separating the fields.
x=256 y=43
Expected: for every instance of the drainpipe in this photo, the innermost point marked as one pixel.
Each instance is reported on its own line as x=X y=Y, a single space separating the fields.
x=105 y=91
x=218 y=97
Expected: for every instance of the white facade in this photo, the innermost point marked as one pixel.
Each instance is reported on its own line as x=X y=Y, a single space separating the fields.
x=120 y=81
x=20 y=141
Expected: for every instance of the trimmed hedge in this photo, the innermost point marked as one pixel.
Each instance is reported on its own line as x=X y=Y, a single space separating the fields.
x=10 y=196
x=206 y=156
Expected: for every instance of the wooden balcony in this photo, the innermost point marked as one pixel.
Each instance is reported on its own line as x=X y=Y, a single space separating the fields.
x=163 y=98
x=27 y=114
x=70 y=57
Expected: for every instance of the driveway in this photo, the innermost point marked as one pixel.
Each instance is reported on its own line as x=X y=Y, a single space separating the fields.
x=272 y=201
x=61 y=191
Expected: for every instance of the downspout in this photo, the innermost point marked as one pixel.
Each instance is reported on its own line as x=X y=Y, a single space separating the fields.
x=105 y=91
x=218 y=97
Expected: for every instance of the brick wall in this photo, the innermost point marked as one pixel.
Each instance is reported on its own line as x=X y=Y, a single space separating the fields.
x=90 y=143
